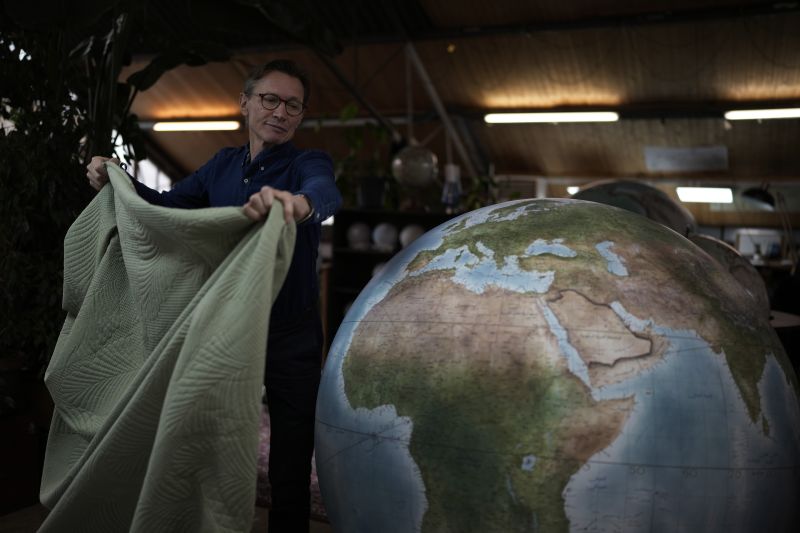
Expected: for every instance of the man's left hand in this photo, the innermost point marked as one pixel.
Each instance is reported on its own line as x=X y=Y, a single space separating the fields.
x=295 y=207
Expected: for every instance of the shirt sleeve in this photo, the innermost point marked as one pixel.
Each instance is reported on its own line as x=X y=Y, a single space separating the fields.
x=189 y=193
x=318 y=184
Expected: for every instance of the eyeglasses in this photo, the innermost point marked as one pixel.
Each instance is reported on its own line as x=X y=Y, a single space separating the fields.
x=271 y=101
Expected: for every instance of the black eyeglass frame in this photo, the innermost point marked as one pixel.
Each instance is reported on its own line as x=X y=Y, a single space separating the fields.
x=280 y=101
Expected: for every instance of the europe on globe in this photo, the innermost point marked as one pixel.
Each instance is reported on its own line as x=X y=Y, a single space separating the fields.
x=557 y=365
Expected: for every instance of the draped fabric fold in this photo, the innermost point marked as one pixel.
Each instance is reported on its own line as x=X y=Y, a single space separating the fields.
x=157 y=373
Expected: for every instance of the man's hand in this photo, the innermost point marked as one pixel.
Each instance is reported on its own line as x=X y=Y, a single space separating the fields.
x=96 y=171
x=295 y=207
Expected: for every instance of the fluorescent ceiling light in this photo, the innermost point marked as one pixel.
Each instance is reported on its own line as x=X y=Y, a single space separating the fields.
x=706 y=195
x=582 y=116
x=761 y=114
x=572 y=189
x=197 y=125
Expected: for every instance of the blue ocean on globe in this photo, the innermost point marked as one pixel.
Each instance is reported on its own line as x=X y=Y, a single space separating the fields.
x=557 y=365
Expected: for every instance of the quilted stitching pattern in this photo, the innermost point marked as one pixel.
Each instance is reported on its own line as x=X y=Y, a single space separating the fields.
x=157 y=373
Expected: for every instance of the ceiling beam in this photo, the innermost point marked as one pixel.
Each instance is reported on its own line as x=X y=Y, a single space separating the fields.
x=474 y=148
x=433 y=95
x=354 y=91
x=646 y=18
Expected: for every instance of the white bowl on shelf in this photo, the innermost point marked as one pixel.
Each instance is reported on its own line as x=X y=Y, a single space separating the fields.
x=384 y=237
x=358 y=236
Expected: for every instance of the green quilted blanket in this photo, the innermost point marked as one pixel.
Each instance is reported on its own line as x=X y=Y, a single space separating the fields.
x=156 y=377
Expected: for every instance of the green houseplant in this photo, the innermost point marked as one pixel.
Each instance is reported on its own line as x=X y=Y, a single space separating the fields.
x=62 y=102
x=362 y=175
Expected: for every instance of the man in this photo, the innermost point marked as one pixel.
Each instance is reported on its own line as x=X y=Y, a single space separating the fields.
x=273 y=103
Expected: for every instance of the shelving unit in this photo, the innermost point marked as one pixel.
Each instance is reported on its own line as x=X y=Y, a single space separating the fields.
x=351 y=269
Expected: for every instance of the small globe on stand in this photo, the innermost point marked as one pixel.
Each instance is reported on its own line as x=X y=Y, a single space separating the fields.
x=415 y=166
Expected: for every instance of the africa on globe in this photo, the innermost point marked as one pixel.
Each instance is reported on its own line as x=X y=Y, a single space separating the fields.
x=557 y=365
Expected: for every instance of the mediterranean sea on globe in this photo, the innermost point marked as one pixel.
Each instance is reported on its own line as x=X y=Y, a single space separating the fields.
x=557 y=365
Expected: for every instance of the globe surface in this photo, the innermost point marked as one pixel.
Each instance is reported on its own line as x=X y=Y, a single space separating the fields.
x=556 y=365
x=739 y=267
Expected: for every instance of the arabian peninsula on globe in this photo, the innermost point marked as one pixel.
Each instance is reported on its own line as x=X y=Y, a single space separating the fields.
x=557 y=365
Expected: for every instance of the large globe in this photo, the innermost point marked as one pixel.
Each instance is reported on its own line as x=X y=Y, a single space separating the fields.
x=642 y=199
x=557 y=365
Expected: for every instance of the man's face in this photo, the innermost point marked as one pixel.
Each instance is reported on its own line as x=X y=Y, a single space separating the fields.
x=271 y=127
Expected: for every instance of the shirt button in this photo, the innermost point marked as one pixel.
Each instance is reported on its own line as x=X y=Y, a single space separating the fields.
x=247 y=180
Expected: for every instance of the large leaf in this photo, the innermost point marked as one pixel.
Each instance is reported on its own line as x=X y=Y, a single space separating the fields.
x=296 y=19
x=231 y=19
x=194 y=54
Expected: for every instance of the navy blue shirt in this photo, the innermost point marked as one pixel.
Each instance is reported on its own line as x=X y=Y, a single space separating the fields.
x=230 y=178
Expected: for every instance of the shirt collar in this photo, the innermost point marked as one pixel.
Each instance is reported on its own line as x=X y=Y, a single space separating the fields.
x=273 y=151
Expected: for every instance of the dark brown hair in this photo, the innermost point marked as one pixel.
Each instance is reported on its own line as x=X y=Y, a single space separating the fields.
x=287 y=66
